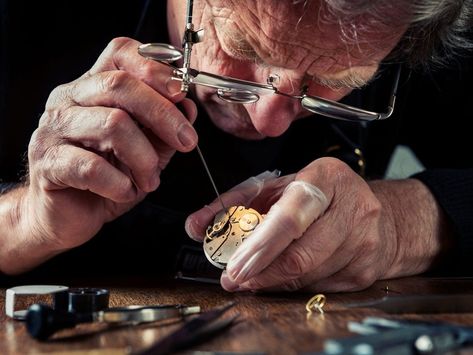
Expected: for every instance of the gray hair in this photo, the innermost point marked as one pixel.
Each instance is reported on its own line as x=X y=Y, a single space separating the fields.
x=436 y=29
x=440 y=29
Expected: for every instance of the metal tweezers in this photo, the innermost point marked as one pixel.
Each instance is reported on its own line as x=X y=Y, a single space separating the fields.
x=401 y=337
x=193 y=331
x=42 y=321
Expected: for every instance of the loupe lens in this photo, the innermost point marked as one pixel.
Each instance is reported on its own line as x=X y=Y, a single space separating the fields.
x=160 y=52
x=238 y=97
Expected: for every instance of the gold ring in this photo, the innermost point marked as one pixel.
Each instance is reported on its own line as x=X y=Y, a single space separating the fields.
x=316 y=303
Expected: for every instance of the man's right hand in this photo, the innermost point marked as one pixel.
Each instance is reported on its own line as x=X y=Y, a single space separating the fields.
x=99 y=149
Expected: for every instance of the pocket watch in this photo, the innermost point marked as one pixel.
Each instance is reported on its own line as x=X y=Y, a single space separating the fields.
x=228 y=231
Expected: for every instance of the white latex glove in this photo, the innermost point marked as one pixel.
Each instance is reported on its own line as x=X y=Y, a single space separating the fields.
x=280 y=227
x=286 y=221
x=327 y=229
x=243 y=194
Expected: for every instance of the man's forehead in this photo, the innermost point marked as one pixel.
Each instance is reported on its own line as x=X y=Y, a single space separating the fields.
x=278 y=33
x=298 y=35
x=271 y=14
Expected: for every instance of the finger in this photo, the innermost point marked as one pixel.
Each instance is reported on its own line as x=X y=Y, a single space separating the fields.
x=240 y=195
x=120 y=90
x=279 y=228
x=323 y=252
x=122 y=54
x=359 y=273
x=254 y=285
x=313 y=256
x=71 y=166
x=286 y=273
x=163 y=150
x=189 y=109
x=106 y=129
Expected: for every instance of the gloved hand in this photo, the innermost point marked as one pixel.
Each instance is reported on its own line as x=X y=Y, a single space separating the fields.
x=322 y=232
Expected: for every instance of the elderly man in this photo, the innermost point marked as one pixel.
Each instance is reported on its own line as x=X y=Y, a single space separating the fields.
x=107 y=140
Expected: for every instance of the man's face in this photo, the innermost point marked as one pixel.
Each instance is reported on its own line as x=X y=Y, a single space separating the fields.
x=251 y=40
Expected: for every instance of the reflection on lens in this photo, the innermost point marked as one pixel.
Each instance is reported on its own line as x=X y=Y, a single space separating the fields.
x=160 y=52
x=337 y=110
x=237 y=96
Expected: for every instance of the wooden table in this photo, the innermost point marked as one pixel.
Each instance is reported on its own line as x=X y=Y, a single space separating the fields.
x=268 y=323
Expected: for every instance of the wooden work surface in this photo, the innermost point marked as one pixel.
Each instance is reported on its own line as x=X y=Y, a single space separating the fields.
x=271 y=324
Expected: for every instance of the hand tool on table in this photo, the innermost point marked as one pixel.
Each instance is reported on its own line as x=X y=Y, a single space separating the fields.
x=401 y=337
x=194 y=331
x=43 y=321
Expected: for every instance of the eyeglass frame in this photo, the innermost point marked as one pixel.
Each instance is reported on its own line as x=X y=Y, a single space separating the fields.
x=235 y=90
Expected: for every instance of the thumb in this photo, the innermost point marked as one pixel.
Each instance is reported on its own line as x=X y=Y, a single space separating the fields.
x=240 y=195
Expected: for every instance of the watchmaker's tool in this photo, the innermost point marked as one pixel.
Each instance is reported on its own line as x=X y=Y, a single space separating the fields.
x=228 y=231
x=383 y=336
x=87 y=299
x=42 y=321
x=187 y=43
x=190 y=38
x=194 y=331
x=60 y=298
x=211 y=178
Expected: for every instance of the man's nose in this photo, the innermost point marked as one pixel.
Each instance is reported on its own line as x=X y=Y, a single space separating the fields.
x=272 y=114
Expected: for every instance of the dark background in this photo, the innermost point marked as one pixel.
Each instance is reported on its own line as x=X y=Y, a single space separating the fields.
x=47 y=43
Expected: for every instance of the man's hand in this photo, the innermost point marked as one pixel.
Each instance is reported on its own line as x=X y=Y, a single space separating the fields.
x=327 y=230
x=100 y=147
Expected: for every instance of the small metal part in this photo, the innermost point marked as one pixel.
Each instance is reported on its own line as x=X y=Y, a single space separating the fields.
x=273 y=79
x=424 y=344
x=389 y=336
x=43 y=321
x=87 y=299
x=187 y=43
x=196 y=330
x=228 y=231
x=144 y=314
x=316 y=303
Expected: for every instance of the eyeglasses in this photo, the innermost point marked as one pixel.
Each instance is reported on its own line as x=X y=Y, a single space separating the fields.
x=245 y=92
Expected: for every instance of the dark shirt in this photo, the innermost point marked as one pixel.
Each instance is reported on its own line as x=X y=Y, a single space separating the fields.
x=48 y=43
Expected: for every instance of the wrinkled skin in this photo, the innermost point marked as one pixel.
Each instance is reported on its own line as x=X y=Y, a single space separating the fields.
x=99 y=149
x=245 y=41
x=352 y=241
x=104 y=139
x=325 y=230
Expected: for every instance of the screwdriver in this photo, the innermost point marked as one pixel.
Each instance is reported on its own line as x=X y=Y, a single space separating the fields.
x=211 y=179
x=188 y=40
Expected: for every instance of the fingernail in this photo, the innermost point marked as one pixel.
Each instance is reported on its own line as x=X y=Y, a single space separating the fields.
x=189 y=227
x=243 y=269
x=197 y=223
x=268 y=175
x=173 y=87
x=187 y=136
x=228 y=284
x=154 y=181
